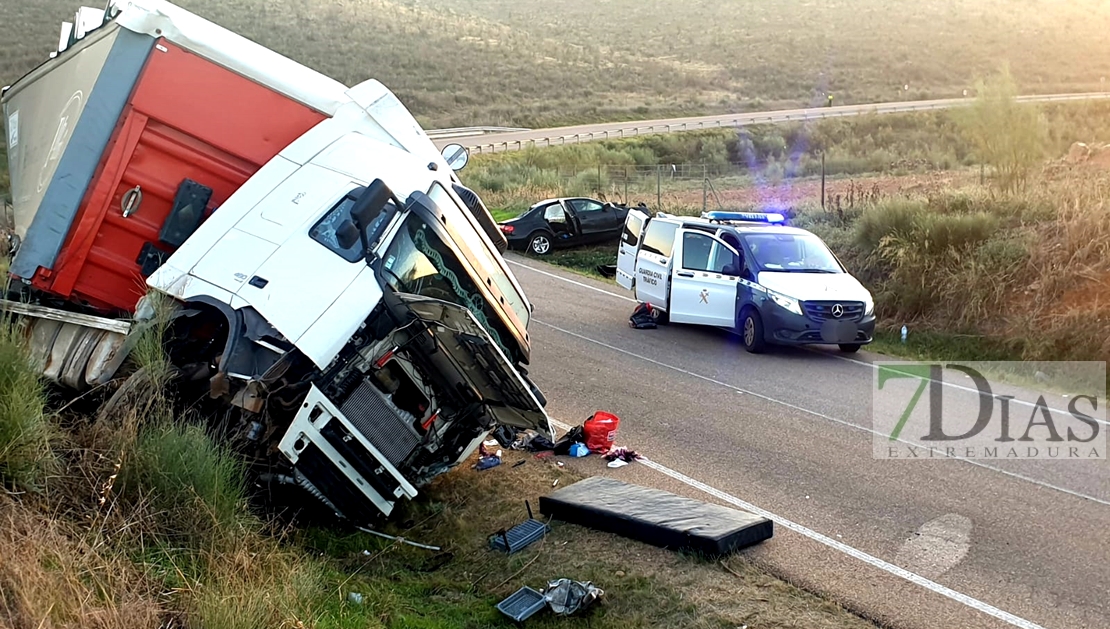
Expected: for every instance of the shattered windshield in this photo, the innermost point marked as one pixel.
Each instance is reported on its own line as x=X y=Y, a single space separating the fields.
x=418 y=262
x=470 y=242
x=795 y=253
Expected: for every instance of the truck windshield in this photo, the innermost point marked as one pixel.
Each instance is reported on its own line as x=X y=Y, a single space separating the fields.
x=795 y=253
x=418 y=262
x=476 y=251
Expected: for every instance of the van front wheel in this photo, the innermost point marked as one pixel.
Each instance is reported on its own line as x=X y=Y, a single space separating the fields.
x=751 y=331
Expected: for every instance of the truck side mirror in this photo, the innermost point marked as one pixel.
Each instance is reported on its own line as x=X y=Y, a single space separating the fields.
x=370 y=203
x=347 y=235
x=456 y=156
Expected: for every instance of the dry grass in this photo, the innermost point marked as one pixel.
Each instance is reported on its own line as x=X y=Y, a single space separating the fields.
x=52 y=575
x=526 y=62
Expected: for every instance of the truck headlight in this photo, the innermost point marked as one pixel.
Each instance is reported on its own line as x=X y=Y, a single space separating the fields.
x=868 y=306
x=787 y=303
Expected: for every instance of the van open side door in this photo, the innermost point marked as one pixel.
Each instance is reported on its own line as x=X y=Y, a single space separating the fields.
x=629 y=247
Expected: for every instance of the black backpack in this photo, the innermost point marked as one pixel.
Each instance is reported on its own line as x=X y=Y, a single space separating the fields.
x=642 y=318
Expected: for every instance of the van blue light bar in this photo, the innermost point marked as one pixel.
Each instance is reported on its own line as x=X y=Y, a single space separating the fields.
x=758 y=217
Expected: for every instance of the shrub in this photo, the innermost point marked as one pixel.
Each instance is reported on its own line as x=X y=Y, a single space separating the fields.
x=26 y=432
x=181 y=472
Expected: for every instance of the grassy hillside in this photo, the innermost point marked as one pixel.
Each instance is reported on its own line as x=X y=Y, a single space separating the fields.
x=533 y=63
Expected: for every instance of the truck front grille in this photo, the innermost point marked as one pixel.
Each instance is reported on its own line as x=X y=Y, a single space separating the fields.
x=388 y=428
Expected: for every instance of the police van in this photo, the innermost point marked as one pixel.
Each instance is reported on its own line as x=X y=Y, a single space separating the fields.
x=747 y=272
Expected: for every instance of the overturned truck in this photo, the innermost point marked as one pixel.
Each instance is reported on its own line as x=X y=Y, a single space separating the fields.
x=335 y=289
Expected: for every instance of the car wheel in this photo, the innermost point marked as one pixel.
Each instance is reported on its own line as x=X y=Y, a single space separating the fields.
x=849 y=348
x=751 y=331
x=540 y=244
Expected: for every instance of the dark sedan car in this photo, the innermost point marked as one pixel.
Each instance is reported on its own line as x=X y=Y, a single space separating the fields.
x=565 y=222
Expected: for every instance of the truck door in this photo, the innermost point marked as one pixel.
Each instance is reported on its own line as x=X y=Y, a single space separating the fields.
x=653 y=263
x=309 y=270
x=629 y=245
x=701 y=291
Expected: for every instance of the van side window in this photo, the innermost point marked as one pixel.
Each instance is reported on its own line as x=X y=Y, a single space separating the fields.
x=632 y=227
x=695 y=251
x=659 y=238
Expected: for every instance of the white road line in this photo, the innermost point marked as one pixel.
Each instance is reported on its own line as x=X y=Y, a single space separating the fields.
x=853 y=552
x=570 y=281
x=821 y=415
x=815 y=351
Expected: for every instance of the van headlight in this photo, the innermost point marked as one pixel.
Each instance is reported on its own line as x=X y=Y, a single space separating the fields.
x=868 y=306
x=787 y=303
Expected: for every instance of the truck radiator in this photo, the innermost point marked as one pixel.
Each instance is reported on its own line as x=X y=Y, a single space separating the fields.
x=387 y=427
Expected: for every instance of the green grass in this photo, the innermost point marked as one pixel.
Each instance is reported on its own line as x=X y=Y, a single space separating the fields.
x=527 y=63
x=26 y=429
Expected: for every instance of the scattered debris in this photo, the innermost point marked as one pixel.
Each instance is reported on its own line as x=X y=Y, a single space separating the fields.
x=521 y=535
x=601 y=430
x=643 y=317
x=520 y=462
x=355 y=598
x=617 y=463
x=656 y=517
x=579 y=450
x=565 y=597
x=607 y=270
x=396 y=539
x=522 y=604
x=621 y=454
x=487 y=460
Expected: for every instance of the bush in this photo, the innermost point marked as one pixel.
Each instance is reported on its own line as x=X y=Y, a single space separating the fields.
x=26 y=457
x=181 y=472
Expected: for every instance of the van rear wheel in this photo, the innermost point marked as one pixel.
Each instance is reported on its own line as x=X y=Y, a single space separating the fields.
x=849 y=348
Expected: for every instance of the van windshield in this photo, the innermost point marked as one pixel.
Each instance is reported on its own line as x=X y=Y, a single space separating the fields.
x=793 y=253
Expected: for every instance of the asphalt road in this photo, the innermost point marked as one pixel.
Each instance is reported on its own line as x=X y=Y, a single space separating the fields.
x=788 y=432
x=514 y=140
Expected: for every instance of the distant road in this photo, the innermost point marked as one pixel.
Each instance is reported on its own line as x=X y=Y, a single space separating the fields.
x=492 y=139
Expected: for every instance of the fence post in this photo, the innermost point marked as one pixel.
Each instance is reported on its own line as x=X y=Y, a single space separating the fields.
x=822 y=180
x=599 y=179
x=658 y=187
x=704 y=189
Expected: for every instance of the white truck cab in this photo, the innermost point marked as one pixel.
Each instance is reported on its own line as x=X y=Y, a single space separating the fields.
x=746 y=272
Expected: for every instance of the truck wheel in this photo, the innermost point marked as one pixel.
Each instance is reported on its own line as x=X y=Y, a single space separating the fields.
x=540 y=243
x=849 y=348
x=751 y=331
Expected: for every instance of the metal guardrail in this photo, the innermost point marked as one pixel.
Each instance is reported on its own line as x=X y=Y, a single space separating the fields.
x=471 y=131
x=553 y=137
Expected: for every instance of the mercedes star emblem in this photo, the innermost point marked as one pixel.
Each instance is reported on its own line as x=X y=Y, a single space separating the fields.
x=837 y=311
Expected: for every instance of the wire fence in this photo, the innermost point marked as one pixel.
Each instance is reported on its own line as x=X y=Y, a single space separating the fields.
x=689 y=187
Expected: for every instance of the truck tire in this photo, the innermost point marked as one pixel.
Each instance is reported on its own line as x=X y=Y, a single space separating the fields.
x=751 y=331
x=482 y=214
x=540 y=243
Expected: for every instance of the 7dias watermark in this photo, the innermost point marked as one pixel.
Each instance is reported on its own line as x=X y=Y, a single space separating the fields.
x=990 y=410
